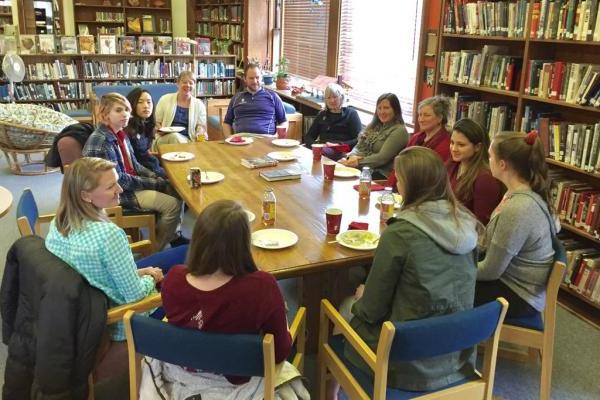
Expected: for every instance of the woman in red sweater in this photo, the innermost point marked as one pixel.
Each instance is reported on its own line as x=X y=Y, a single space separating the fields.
x=433 y=117
x=221 y=289
x=469 y=170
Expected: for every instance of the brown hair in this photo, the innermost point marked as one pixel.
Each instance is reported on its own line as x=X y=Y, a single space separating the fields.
x=250 y=65
x=375 y=123
x=108 y=101
x=480 y=160
x=527 y=160
x=423 y=174
x=221 y=241
x=82 y=175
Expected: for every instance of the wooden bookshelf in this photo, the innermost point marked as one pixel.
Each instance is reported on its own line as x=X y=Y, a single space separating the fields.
x=5 y=17
x=86 y=15
x=527 y=48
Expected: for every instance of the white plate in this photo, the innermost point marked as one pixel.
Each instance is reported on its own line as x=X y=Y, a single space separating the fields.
x=272 y=239
x=282 y=155
x=397 y=201
x=358 y=240
x=246 y=140
x=170 y=129
x=285 y=142
x=342 y=171
x=210 y=177
x=251 y=216
x=178 y=156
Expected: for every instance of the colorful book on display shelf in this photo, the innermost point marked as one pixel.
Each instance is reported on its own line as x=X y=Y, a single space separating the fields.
x=182 y=46
x=164 y=45
x=107 y=44
x=47 y=44
x=127 y=44
x=259 y=162
x=68 y=45
x=86 y=44
x=27 y=44
x=281 y=174
x=146 y=44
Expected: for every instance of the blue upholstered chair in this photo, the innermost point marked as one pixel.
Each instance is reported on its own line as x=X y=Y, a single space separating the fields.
x=407 y=341
x=537 y=332
x=240 y=355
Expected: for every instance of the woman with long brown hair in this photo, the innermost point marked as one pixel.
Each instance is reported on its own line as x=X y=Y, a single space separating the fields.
x=469 y=170
x=518 y=238
x=424 y=266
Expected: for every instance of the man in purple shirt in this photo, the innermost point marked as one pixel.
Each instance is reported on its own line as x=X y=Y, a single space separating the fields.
x=255 y=109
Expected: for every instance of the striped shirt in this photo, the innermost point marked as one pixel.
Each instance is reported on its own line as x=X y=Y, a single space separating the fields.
x=100 y=253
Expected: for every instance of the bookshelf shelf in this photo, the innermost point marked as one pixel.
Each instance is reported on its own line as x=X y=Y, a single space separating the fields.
x=509 y=93
x=5 y=14
x=561 y=103
x=539 y=56
x=101 y=22
x=81 y=5
x=147 y=8
x=486 y=38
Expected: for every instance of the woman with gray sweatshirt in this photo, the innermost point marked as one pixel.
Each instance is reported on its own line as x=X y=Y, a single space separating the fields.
x=381 y=140
x=518 y=238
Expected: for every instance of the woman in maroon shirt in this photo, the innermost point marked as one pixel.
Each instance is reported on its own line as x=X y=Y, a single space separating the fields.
x=221 y=290
x=469 y=170
x=432 y=118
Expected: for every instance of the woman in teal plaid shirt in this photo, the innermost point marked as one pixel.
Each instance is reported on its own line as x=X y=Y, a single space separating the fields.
x=82 y=235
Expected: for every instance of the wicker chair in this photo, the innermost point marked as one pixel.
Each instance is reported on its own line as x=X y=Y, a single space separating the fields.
x=19 y=140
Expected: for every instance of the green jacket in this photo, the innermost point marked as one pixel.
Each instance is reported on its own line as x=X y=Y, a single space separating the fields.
x=425 y=265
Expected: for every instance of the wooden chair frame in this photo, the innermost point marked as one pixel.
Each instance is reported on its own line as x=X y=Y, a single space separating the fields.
x=378 y=362
x=539 y=343
x=297 y=331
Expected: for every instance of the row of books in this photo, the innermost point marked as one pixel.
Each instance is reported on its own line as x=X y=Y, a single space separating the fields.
x=216 y=69
x=215 y=88
x=50 y=91
x=493 y=117
x=106 y=44
x=139 y=69
x=231 y=13
x=486 y=18
x=583 y=269
x=220 y=31
x=484 y=68
x=565 y=20
x=575 y=83
x=107 y=16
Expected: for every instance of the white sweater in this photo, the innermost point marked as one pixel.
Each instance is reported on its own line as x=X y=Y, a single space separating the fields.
x=165 y=113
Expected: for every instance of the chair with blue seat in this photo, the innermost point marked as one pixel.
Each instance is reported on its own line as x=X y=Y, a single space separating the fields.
x=28 y=215
x=409 y=341
x=537 y=332
x=226 y=354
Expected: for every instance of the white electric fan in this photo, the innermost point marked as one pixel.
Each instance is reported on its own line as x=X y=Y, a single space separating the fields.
x=14 y=69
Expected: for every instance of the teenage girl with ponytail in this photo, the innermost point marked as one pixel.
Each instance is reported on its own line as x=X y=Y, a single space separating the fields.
x=518 y=238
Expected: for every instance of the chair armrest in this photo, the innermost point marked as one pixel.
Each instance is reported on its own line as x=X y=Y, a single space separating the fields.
x=46 y=218
x=116 y=314
x=143 y=247
x=298 y=333
x=329 y=313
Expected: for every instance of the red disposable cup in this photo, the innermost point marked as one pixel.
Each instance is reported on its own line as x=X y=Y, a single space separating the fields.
x=317 y=149
x=328 y=170
x=281 y=133
x=333 y=217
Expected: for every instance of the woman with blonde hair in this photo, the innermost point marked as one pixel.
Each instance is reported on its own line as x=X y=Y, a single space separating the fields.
x=518 y=239
x=181 y=109
x=469 y=170
x=424 y=266
x=83 y=236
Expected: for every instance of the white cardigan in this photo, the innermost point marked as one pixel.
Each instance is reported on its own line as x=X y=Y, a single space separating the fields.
x=165 y=113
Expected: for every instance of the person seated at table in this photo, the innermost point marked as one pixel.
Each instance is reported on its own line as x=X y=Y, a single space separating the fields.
x=181 y=109
x=255 y=109
x=221 y=289
x=142 y=188
x=469 y=170
x=518 y=239
x=432 y=118
x=82 y=235
x=335 y=125
x=140 y=129
x=424 y=266
x=381 y=140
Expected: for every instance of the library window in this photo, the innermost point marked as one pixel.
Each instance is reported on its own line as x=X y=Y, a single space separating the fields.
x=305 y=37
x=379 y=50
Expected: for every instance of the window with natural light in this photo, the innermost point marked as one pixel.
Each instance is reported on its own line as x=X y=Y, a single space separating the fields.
x=379 y=50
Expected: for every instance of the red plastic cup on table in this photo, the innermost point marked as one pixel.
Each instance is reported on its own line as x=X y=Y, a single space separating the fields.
x=328 y=169
x=333 y=217
x=281 y=133
x=317 y=151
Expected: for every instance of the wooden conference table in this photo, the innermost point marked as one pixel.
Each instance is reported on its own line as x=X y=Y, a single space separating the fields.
x=301 y=205
x=6 y=200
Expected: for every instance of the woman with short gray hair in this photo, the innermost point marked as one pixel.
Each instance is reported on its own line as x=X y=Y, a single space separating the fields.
x=432 y=120
x=336 y=126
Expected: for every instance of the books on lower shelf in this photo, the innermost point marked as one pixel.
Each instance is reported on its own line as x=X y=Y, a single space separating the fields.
x=565 y=20
x=281 y=174
x=486 y=18
x=574 y=83
x=259 y=162
x=494 y=117
x=583 y=269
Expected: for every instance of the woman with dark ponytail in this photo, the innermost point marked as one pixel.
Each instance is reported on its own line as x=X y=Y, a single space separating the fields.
x=469 y=170
x=518 y=238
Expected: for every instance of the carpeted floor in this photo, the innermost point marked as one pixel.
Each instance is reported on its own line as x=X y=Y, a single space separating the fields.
x=577 y=347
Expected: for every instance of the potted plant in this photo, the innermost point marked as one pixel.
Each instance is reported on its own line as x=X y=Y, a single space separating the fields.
x=283 y=79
